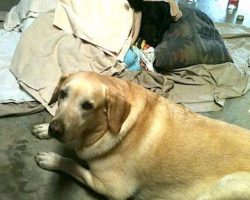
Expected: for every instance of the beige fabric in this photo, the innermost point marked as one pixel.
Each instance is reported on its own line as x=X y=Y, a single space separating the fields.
x=25 y=9
x=106 y=24
x=232 y=30
x=25 y=108
x=44 y=53
x=155 y=82
x=201 y=88
x=174 y=9
x=237 y=41
x=136 y=25
x=204 y=88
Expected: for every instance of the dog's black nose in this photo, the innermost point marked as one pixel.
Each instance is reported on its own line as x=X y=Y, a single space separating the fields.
x=56 y=128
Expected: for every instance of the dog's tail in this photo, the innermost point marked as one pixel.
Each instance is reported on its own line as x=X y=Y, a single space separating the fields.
x=136 y=4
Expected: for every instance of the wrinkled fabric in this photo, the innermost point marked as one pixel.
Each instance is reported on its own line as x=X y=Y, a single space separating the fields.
x=149 y=80
x=44 y=53
x=106 y=24
x=228 y=30
x=26 y=9
x=10 y=90
x=201 y=88
x=18 y=109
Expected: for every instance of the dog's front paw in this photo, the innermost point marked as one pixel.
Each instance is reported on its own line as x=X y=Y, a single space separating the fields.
x=49 y=160
x=41 y=131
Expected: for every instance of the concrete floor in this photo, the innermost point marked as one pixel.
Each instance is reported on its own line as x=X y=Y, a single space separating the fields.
x=22 y=179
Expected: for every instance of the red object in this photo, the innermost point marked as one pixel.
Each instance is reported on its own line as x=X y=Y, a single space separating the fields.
x=233 y=2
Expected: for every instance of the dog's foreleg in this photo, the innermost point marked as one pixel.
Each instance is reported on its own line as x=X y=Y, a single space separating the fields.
x=41 y=131
x=53 y=161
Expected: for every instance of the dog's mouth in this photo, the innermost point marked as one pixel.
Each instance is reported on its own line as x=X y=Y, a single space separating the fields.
x=56 y=132
x=61 y=137
x=56 y=135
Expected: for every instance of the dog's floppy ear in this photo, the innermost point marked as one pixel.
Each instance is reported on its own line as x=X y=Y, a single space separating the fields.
x=117 y=109
x=57 y=89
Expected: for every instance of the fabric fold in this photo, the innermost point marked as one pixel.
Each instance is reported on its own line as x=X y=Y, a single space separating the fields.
x=106 y=24
x=26 y=9
x=44 y=53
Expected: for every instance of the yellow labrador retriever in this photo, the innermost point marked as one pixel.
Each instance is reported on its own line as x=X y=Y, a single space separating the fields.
x=140 y=145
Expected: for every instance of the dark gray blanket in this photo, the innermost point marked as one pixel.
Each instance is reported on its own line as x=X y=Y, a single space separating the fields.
x=190 y=41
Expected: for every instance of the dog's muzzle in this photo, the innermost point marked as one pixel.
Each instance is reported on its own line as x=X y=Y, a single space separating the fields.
x=56 y=129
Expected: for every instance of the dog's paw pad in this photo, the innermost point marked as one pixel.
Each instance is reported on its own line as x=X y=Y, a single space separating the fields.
x=41 y=131
x=48 y=160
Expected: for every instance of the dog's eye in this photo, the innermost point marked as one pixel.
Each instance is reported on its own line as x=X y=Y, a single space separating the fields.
x=86 y=105
x=63 y=94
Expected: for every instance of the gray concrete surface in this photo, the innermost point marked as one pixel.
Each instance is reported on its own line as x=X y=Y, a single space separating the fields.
x=20 y=177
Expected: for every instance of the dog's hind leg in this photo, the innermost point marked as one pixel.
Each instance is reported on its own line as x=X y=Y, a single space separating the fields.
x=234 y=186
x=41 y=131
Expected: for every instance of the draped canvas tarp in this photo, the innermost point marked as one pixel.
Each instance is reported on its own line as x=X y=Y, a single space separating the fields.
x=45 y=52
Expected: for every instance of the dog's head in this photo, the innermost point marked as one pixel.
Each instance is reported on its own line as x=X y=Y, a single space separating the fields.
x=89 y=105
